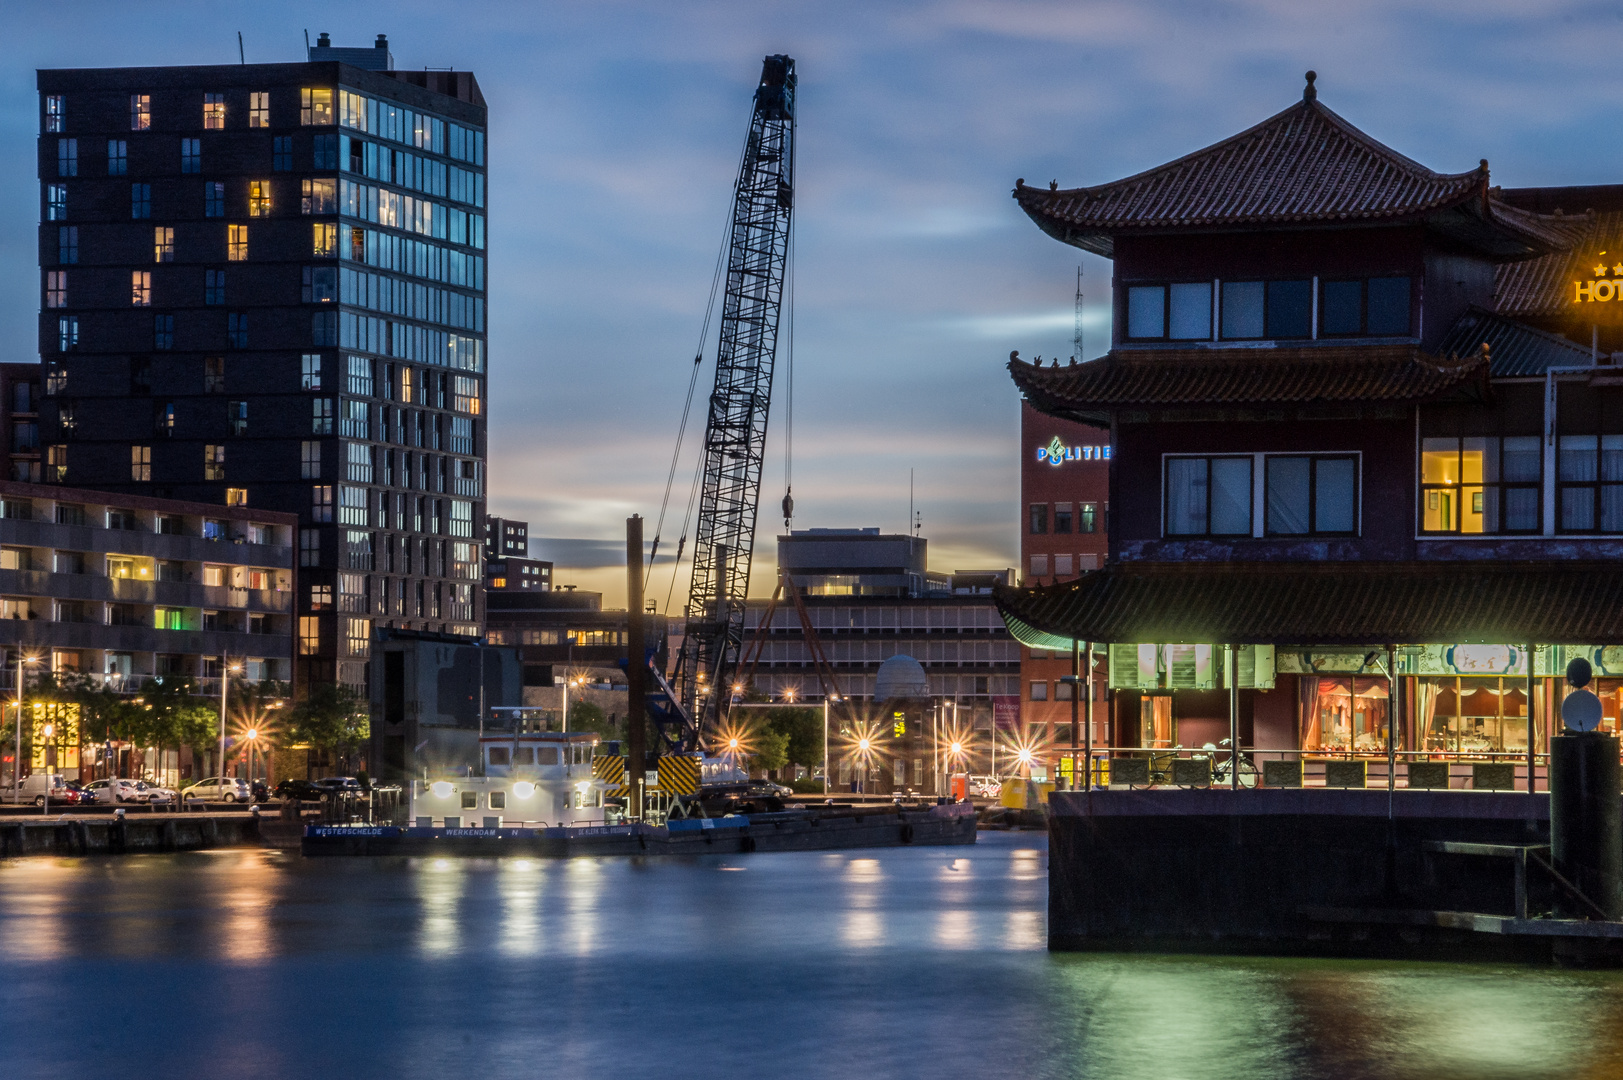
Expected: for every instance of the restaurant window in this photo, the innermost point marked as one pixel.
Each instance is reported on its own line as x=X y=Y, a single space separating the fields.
x=1485 y=484
x=1344 y=716
x=1372 y=307
x=1208 y=496
x=1311 y=494
x=1472 y=715
x=1039 y=517
x=1157 y=729
x=1589 y=483
x=1175 y=312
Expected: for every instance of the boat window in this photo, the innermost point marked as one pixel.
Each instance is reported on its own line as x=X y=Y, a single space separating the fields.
x=498 y=800
x=498 y=755
x=470 y=800
x=546 y=755
x=524 y=755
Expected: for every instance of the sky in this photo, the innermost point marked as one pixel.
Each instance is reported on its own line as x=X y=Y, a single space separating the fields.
x=615 y=130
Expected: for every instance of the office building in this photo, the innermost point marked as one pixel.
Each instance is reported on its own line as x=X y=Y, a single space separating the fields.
x=264 y=286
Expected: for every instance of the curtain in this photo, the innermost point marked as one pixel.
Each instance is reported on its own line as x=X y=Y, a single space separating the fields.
x=1186 y=496
x=1310 y=711
x=1425 y=702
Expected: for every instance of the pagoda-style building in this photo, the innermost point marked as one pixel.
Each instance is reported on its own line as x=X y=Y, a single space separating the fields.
x=1367 y=431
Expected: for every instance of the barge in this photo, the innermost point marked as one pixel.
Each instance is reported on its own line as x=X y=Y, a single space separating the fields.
x=819 y=828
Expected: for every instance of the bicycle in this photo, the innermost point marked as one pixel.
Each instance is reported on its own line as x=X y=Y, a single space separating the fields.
x=1221 y=776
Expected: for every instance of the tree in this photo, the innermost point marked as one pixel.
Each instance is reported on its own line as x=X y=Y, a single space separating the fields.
x=769 y=749
x=589 y=716
x=175 y=715
x=329 y=717
x=802 y=730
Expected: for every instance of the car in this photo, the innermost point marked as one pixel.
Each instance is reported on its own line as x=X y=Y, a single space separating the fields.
x=339 y=785
x=38 y=788
x=157 y=794
x=747 y=789
x=115 y=790
x=260 y=791
x=220 y=789
x=303 y=790
x=85 y=796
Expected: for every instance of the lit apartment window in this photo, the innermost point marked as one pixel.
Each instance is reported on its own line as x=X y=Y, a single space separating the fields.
x=140 y=201
x=236 y=243
x=141 y=464
x=54 y=113
x=309 y=635
x=56 y=463
x=320 y=197
x=310 y=460
x=360 y=376
x=282 y=154
x=310 y=371
x=56 y=202
x=163 y=244
x=213 y=374
x=320 y=597
x=324 y=240
x=163 y=331
x=214 y=287
x=465 y=394
x=191 y=155
x=236 y=496
x=321 y=416
x=407 y=389
x=259 y=198
x=67 y=157
x=141 y=288
x=214 y=199
x=259 y=109
x=236 y=329
x=140 y=112
x=236 y=415
x=67 y=339
x=321 y=502
x=56 y=288
x=315 y=106
x=213 y=112
x=118 y=157
x=214 y=462
x=163 y=419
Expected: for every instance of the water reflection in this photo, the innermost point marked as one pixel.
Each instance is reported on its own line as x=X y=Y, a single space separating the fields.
x=913 y=962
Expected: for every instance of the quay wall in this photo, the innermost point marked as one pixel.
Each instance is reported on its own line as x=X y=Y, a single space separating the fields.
x=1241 y=871
x=109 y=836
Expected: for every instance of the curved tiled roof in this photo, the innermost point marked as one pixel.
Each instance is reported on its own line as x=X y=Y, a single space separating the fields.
x=1368 y=603
x=1302 y=375
x=1542 y=286
x=1303 y=166
x=1515 y=349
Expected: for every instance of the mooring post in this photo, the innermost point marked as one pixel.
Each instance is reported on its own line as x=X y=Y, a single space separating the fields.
x=636 y=667
x=1586 y=807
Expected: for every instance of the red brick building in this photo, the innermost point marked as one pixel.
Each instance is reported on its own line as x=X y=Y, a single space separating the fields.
x=1065 y=506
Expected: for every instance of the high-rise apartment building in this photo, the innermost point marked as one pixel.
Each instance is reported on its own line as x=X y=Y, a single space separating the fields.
x=264 y=285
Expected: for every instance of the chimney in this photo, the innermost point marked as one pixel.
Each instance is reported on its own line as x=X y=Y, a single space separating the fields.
x=383 y=42
x=324 y=41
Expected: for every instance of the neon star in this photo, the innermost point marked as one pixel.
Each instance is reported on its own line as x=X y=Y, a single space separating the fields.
x=1600 y=271
x=1618 y=269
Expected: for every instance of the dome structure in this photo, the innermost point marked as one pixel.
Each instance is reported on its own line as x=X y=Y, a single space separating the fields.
x=900 y=677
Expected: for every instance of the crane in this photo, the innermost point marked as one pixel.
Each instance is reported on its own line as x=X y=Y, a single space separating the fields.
x=729 y=482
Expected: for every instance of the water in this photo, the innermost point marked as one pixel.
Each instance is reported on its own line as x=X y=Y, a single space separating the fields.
x=897 y=963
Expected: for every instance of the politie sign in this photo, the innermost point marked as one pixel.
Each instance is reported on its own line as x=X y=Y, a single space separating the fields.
x=1057 y=453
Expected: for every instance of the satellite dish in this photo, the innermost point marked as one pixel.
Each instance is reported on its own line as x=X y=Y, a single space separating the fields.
x=1581 y=711
x=1579 y=672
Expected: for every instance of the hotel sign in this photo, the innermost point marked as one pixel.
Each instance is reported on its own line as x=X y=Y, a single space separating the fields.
x=1057 y=453
x=1604 y=285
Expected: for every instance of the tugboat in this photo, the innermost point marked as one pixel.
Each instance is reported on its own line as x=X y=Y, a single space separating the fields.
x=532 y=780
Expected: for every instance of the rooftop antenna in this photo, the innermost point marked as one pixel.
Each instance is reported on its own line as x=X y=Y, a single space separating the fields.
x=1076 y=336
x=241 y=56
x=910 y=502
x=307 y=43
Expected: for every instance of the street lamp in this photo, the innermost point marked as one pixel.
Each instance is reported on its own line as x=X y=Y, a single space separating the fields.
x=226 y=671
x=50 y=759
x=252 y=735
x=17 y=752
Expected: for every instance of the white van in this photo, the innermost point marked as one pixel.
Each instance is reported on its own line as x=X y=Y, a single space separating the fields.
x=35 y=788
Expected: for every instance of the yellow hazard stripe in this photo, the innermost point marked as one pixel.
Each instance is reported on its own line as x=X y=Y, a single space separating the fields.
x=679 y=775
x=611 y=770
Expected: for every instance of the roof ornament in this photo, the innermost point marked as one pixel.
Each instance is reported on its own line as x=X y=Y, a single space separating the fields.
x=1309 y=93
x=1014 y=355
x=1053 y=185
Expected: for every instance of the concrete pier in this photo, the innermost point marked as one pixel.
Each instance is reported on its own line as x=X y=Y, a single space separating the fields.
x=106 y=835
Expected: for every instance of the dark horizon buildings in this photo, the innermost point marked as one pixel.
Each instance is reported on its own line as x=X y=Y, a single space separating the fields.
x=264 y=285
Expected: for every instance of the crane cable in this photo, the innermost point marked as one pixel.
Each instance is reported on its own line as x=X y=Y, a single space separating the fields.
x=789 y=396
x=687 y=408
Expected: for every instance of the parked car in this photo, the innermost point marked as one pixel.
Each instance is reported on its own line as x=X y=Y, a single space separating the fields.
x=86 y=796
x=115 y=791
x=747 y=789
x=37 y=787
x=303 y=790
x=157 y=794
x=339 y=785
x=220 y=789
x=261 y=792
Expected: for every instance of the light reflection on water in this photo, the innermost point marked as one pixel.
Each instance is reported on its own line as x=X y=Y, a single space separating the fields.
x=905 y=962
